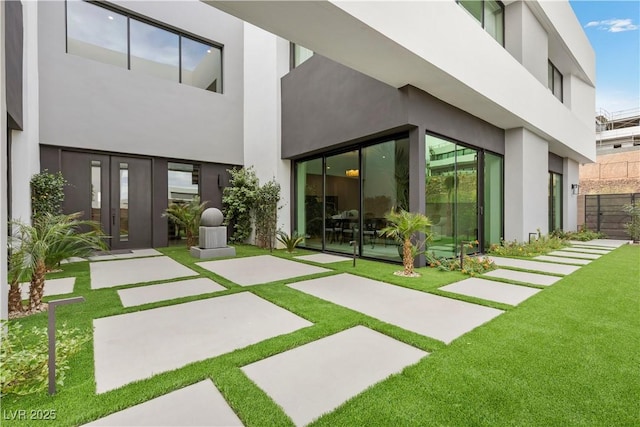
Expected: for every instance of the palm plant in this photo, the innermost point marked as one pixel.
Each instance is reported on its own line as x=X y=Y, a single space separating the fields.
x=404 y=227
x=187 y=215
x=290 y=242
x=41 y=246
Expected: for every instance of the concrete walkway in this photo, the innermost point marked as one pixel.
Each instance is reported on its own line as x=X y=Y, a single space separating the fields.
x=542 y=267
x=51 y=287
x=168 y=291
x=523 y=277
x=108 y=274
x=491 y=290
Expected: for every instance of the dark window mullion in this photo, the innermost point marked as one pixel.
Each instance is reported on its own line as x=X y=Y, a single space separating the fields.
x=179 y=58
x=128 y=43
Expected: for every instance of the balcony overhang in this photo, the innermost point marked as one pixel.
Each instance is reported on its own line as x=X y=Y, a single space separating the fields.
x=479 y=77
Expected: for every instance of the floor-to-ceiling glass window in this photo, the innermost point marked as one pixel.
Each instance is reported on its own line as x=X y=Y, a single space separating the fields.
x=451 y=195
x=309 y=210
x=183 y=181
x=385 y=186
x=555 y=201
x=493 y=199
x=342 y=201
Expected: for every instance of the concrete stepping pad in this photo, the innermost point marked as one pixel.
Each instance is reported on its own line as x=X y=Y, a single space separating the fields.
x=52 y=287
x=524 y=277
x=200 y=404
x=444 y=319
x=316 y=378
x=134 y=253
x=587 y=246
x=259 y=269
x=323 y=258
x=134 y=346
x=561 y=260
x=168 y=291
x=108 y=274
x=587 y=250
x=491 y=291
x=543 y=267
x=607 y=243
x=574 y=255
x=72 y=260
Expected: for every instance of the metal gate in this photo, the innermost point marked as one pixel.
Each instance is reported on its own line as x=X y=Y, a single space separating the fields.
x=603 y=212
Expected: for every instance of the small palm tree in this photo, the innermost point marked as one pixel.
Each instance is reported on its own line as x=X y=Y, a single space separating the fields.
x=187 y=215
x=404 y=227
x=290 y=242
x=41 y=246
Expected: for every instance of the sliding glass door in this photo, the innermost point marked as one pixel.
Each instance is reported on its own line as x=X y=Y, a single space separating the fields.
x=309 y=191
x=342 y=201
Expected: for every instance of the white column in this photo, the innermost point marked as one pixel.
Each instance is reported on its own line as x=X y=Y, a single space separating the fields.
x=25 y=145
x=266 y=60
x=526 y=184
x=570 y=175
x=4 y=289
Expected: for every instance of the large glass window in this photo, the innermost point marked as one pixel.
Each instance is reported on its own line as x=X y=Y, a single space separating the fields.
x=489 y=13
x=493 y=199
x=96 y=190
x=122 y=39
x=184 y=184
x=555 y=201
x=342 y=201
x=451 y=195
x=124 y=202
x=96 y=33
x=555 y=81
x=309 y=197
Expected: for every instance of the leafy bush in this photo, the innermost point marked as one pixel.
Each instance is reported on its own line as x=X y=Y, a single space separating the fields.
x=584 y=234
x=238 y=200
x=537 y=247
x=265 y=212
x=47 y=193
x=290 y=242
x=633 y=226
x=24 y=355
x=187 y=215
x=471 y=265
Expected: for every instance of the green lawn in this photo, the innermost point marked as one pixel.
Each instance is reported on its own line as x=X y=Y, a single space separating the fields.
x=567 y=356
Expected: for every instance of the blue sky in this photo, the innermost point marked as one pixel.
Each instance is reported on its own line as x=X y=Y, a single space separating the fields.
x=613 y=28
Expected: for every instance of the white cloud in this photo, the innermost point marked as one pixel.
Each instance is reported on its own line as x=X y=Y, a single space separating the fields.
x=614 y=25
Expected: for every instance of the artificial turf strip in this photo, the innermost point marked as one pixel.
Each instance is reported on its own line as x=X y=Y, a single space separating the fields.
x=566 y=356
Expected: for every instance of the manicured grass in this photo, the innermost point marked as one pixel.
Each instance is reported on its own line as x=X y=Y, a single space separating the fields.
x=567 y=356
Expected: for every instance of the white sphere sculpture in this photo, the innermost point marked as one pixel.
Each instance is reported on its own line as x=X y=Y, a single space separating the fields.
x=211 y=217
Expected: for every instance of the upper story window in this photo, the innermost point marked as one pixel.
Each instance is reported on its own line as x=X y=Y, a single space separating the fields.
x=489 y=13
x=555 y=81
x=121 y=39
x=299 y=54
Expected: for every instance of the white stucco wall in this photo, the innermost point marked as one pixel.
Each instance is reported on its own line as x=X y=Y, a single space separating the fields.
x=570 y=175
x=4 y=289
x=526 y=184
x=527 y=40
x=92 y=105
x=580 y=97
x=25 y=150
x=266 y=61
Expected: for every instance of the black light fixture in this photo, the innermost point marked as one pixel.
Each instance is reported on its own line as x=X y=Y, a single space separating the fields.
x=575 y=189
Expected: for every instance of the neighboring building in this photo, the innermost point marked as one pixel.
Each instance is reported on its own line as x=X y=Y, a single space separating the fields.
x=476 y=113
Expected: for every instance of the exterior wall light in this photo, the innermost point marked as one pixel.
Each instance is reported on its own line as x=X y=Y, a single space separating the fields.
x=575 y=189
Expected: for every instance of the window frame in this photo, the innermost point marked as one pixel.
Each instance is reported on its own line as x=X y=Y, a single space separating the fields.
x=154 y=23
x=551 y=85
x=483 y=21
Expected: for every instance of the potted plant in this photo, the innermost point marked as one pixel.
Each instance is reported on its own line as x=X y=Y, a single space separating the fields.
x=405 y=228
x=187 y=215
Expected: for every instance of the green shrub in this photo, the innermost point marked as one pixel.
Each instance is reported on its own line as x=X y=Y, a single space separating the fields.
x=471 y=265
x=584 y=234
x=633 y=226
x=265 y=212
x=47 y=193
x=540 y=246
x=238 y=200
x=290 y=242
x=24 y=355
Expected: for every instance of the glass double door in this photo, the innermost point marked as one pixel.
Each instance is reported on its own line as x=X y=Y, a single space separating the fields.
x=114 y=191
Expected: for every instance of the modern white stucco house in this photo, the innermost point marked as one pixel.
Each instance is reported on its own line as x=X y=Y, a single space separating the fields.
x=476 y=113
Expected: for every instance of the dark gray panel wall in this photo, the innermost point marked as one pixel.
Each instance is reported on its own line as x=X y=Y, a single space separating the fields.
x=325 y=104
x=555 y=163
x=13 y=43
x=160 y=200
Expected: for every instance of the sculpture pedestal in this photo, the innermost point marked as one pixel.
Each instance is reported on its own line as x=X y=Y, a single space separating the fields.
x=212 y=243
x=201 y=253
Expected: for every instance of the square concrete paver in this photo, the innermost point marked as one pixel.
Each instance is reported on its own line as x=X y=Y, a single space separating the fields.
x=133 y=346
x=561 y=260
x=543 y=267
x=606 y=243
x=108 y=274
x=134 y=253
x=168 y=291
x=524 y=277
x=323 y=258
x=587 y=250
x=574 y=255
x=51 y=287
x=259 y=269
x=200 y=404
x=492 y=291
x=444 y=319
x=316 y=378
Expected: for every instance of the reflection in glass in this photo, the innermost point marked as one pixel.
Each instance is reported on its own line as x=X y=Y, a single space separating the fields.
x=96 y=193
x=474 y=7
x=124 y=202
x=493 y=191
x=154 y=51
x=555 y=201
x=309 y=202
x=96 y=33
x=184 y=184
x=300 y=54
x=451 y=195
x=385 y=185
x=201 y=65
x=493 y=20
x=342 y=201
